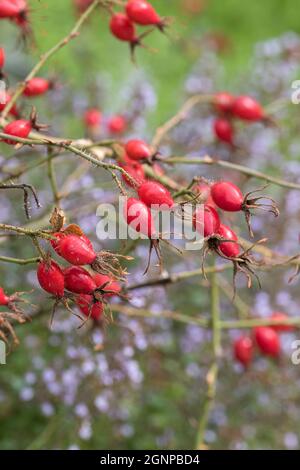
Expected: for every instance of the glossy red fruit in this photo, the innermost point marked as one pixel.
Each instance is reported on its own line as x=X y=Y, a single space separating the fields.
x=204 y=190
x=36 y=86
x=223 y=130
x=4 y=299
x=142 y=13
x=248 y=109
x=134 y=169
x=229 y=249
x=123 y=28
x=92 y=118
x=138 y=216
x=5 y=98
x=20 y=128
x=10 y=8
x=206 y=221
x=75 y=250
x=227 y=196
x=89 y=307
x=281 y=328
x=109 y=283
x=243 y=350
x=79 y=281
x=267 y=340
x=117 y=124
x=223 y=102
x=2 y=57
x=154 y=194
x=137 y=150
x=51 y=278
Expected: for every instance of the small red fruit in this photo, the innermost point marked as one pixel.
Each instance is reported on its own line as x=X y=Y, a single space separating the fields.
x=89 y=307
x=92 y=118
x=138 y=216
x=123 y=28
x=134 y=169
x=137 y=150
x=228 y=248
x=2 y=57
x=9 y=8
x=223 y=102
x=248 y=109
x=224 y=130
x=20 y=128
x=227 y=196
x=206 y=221
x=5 y=98
x=4 y=299
x=153 y=193
x=117 y=124
x=243 y=350
x=281 y=328
x=36 y=86
x=143 y=13
x=51 y=278
x=75 y=249
x=108 y=284
x=267 y=340
x=79 y=281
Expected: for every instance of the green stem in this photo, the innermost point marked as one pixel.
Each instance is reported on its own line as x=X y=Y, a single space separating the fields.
x=22 y=262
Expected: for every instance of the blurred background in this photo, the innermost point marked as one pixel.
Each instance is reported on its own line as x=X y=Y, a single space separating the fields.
x=144 y=387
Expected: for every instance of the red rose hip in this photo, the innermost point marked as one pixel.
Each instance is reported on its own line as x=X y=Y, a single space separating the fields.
x=137 y=150
x=243 y=350
x=51 y=278
x=79 y=281
x=153 y=193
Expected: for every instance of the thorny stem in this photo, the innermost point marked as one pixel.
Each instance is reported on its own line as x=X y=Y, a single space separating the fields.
x=212 y=374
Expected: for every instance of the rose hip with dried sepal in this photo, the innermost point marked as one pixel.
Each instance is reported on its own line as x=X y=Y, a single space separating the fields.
x=243 y=350
x=248 y=109
x=108 y=284
x=223 y=102
x=230 y=248
x=74 y=249
x=228 y=197
x=79 y=281
x=223 y=130
x=206 y=221
x=51 y=278
x=143 y=13
x=89 y=307
x=138 y=150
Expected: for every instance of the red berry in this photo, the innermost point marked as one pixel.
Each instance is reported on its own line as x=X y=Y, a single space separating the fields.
x=89 y=307
x=4 y=299
x=228 y=248
x=137 y=149
x=117 y=124
x=79 y=281
x=9 y=8
x=153 y=193
x=138 y=216
x=123 y=28
x=206 y=221
x=223 y=102
x=20 y=128
x=2 y=57
x=204 y=190
x=5 y=98
x=134 y=169
x=248 y=109
x=143 y=13
x=281 y=328
x=267 y=340
x=243 y=350
x=92 y=118
x=224 y=130
x=227 y=196
x=74 y=249
x=51 y=278
x=111 y=284
x=36 y=86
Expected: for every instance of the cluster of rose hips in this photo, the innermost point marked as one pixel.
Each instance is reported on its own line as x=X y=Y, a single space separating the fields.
x=93 y=119
x=89 y=289
x=17 y=12
x=266 y=338
x=230 y=107
x=137 y=12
